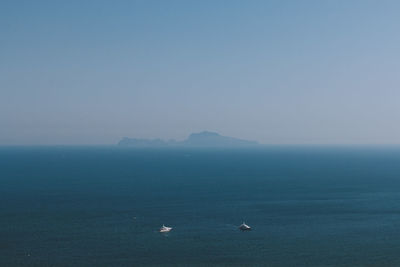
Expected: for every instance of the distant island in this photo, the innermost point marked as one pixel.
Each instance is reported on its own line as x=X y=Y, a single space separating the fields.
x=202 y=139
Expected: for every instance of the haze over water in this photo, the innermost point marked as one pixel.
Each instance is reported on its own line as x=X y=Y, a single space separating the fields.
x=274 y=71
x=305 y=77
x=102 y=206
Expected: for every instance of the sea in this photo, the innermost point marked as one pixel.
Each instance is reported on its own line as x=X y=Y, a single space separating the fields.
x=104 y=205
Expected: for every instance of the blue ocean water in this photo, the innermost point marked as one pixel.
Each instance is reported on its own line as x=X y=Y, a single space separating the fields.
x=102 y=206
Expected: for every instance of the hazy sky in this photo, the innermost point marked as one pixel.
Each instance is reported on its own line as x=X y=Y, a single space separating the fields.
x=91 y=72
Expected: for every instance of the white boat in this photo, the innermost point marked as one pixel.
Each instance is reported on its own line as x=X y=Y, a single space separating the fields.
x=244 y=227
x=165 y=229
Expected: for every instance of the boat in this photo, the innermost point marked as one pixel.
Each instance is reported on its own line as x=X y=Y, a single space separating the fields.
x=244 y=227
x=165 y=229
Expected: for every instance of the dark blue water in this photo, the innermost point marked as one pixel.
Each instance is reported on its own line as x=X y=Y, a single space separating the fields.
x=102 y=206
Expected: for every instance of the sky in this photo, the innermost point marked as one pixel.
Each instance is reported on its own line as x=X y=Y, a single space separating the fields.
x=279 y=72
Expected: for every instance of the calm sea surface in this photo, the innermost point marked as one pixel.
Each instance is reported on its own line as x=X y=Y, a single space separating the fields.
x=102 y=206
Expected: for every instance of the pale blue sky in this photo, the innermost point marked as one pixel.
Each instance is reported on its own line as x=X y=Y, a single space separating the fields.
x=91 y=72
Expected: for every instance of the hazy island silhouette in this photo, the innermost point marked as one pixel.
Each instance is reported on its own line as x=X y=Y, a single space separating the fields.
x=201 y=139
